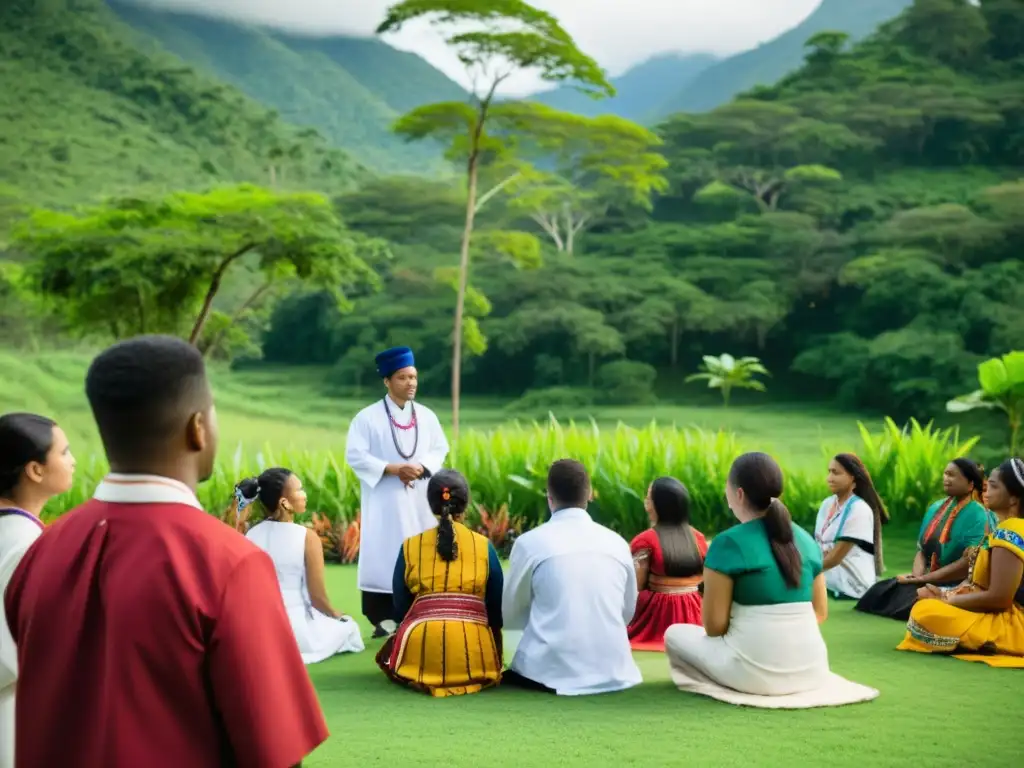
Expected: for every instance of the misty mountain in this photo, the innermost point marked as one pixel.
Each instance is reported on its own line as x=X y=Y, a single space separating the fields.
x=640 y=91
x=350 y=89
x=765 y=64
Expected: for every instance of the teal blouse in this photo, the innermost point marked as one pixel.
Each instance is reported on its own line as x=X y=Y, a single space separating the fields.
x=969 y=529
x=744 y=553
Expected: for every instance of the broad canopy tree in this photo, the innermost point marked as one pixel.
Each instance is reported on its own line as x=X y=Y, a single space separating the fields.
x=598 y=163
x=156 y=265
x=493 y=39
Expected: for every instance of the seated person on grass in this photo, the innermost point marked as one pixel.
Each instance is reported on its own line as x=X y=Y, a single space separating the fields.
x=571 y=588
x=447 y=601
x=669 y=560
x=951 y=531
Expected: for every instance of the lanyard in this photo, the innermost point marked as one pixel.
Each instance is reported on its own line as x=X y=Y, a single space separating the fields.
x=837 y=514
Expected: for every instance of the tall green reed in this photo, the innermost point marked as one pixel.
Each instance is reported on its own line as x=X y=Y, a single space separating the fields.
x=508 y=466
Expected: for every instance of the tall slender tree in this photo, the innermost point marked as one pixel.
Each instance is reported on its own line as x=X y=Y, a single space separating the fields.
x=494 y=39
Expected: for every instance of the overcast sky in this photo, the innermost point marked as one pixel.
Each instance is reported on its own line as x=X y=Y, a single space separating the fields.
x=618 y=33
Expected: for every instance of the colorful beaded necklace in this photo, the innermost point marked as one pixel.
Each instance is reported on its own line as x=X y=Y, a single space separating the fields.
x=413 y=425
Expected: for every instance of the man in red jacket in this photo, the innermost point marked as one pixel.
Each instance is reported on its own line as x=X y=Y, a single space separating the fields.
x=149 y=633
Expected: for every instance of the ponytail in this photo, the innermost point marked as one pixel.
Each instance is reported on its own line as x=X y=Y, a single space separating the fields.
x=448 y=497
x=778 y=524
x=447 y=547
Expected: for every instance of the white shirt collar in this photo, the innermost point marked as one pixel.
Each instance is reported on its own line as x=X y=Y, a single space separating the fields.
x=570 y=513
x=144 y=489
x=393 y=404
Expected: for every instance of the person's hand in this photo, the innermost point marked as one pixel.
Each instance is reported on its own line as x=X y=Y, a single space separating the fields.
x=907 y=578
x=408 y=473
x=929 y=592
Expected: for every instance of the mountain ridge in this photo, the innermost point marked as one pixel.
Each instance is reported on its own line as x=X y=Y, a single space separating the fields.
x=351 y=89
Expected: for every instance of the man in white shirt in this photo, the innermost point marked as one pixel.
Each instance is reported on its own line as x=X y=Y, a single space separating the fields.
x=393 y=447
x=571 y=587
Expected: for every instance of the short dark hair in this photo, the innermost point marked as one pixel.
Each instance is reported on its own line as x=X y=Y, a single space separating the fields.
x=142 y=390
x=569 y=484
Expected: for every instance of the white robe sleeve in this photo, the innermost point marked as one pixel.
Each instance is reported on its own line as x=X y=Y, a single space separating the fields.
x=631 y=592
x=437 y=449
x=368 y=468
x=518 y=589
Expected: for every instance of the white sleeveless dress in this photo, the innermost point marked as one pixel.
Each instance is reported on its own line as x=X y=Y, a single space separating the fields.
x=319 y=636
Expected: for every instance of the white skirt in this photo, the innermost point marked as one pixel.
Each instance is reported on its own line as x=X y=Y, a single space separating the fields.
x=773 y=656
x=319 y=636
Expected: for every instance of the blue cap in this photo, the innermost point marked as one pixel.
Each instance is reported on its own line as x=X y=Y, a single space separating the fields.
x=394 y=359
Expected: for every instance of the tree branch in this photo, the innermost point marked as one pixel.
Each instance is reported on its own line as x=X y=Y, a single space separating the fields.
x=211 y=292
x=482 y=200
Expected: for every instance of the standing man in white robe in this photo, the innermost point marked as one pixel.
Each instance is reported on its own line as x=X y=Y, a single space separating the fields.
x=571 y=587
x=393 y=446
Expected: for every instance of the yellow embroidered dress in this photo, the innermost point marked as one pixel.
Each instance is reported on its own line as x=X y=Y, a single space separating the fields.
x=997 y=639
x=448 y=640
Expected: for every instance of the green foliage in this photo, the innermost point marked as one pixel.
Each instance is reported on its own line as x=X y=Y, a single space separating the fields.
x=142 y=266
x=349 y=89
x=1001 y=383
x=88 y=110
x=509 y=466
x=626 y=382
x=726 y=373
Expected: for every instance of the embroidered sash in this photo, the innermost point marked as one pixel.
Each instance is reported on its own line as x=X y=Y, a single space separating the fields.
x=441 y=606
x=674 y=585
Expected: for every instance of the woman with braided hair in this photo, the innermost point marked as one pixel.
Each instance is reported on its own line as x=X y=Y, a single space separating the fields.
x=447 y=600
x=982 y=619
x=298 y=557
x=951 y=529
x=849 y=528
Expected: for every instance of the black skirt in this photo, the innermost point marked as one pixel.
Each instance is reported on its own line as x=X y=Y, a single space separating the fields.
x=890 y=599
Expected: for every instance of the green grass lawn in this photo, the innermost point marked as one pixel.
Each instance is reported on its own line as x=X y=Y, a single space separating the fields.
x=932 y=712
x=293 y=408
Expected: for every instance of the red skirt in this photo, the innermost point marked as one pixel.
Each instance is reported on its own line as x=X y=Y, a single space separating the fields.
x=656 y=612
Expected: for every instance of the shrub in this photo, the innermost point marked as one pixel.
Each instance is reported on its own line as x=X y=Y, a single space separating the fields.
x=626 y=382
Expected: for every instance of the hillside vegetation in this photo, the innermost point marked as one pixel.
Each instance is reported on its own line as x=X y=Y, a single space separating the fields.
x=85 y=112
x=856 y=225
x=349 y=89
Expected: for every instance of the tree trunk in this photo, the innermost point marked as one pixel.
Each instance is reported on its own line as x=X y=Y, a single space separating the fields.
x=211 y=292
x=215 y=341
x=460 y=301
x=674 y=344
x=726 y=391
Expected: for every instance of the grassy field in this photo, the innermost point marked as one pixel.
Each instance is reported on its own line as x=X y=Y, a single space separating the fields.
x=932 y=711
x=293 y=409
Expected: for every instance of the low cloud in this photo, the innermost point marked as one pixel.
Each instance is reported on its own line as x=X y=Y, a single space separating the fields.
x=618 y=33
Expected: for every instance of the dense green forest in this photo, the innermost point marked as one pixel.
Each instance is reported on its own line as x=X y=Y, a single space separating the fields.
x=85 y=113
x=857 y=226
x=350 y=89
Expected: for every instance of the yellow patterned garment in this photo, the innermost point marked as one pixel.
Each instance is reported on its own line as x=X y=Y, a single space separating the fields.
x=444 y=645
x=996 y=639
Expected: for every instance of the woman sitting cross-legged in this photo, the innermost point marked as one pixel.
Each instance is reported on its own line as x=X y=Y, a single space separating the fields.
x=764 y=596
x=669 y=562
x=298 y=557
x=849 y=528
x=983 y=619
x=950 y=530
x=447 y=594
